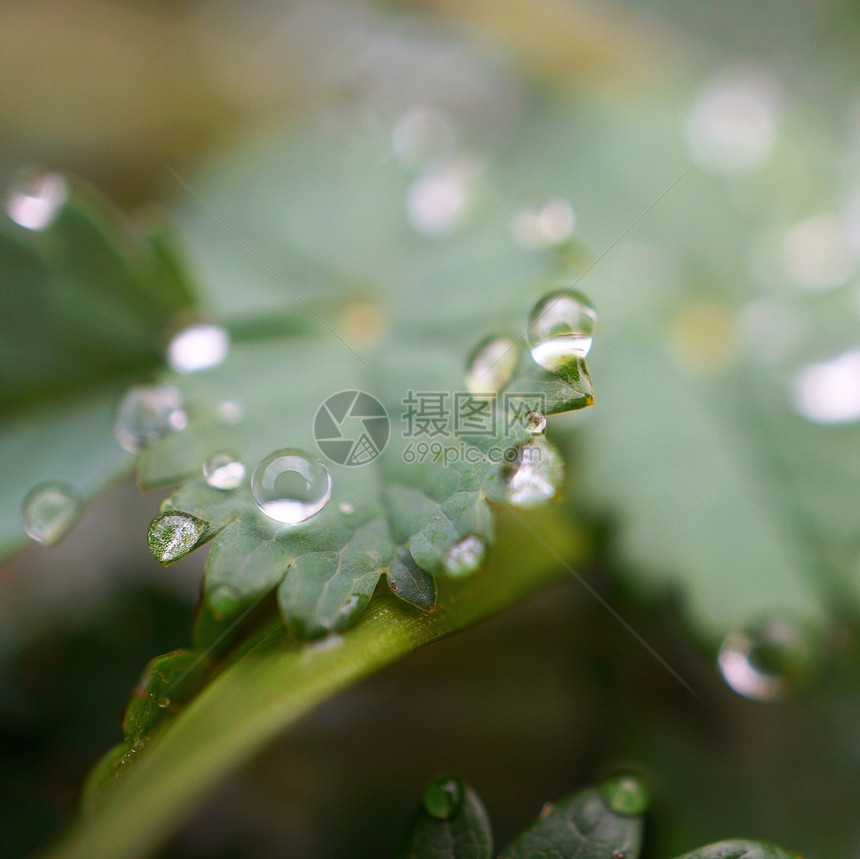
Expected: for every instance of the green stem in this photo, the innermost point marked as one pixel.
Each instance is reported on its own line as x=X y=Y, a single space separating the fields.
x=280 y=681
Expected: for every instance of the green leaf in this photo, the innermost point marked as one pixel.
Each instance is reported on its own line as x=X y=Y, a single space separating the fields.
x=448 y=826
x=275 y=680
x=84 y=304
x=737 y=849
x=583 y=824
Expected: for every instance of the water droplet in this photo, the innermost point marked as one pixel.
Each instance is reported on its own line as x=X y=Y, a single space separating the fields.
x=533 y=473
x=829 y=392
x=290 y=486
x=561 y=328
x=421 y=135
x=465 y=556
x=34 y=201
x=148 y=413
x=174 y=534
x=545 y=226
x=163 y=702
x=444 y=797
x=346 y=508
x=732 y=126
x=491 y=365
x=50 y=510
x=224 y=471
x=817 y=253
x=198 y=347
x=626 y=793
x=230 y=412
x=438 y=198
x=535 y=422
x=769 y=661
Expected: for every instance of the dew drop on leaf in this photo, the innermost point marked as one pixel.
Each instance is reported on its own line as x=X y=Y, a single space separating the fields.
x=465 y=556
x=50 y=510
x=533 y=473
x=443 y=797
x=198 y=347
x=535 y=422
x=547 y=225
x=35 y=199
x=146 y=413
x=223 y=470
x=769 y=661
x=290 y=486
x=626 y=793
x=561 y=329
x=491 y=365
x=230 y=412
x=174 y=534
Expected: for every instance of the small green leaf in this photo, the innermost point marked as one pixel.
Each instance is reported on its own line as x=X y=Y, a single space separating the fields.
x=737 y=849
x=451 y=823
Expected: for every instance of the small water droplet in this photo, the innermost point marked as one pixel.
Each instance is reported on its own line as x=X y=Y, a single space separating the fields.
x=829 y=392
x=561 y=329
x=769 y=661
x=444 y=797
x=547 y=225
x=535 y=421
x=224 y=471
x=148 y=413
x=346 y=508
x=230 y=412
x=465 y=556
x=198 y=347
x=438 y=198
x=421 y=135
x=290 y=486
x=35 y=199
x=163 y=702
x=533 y=473
x=49 y=510
x=626 y=793
x=491 y=365
x=174 y=534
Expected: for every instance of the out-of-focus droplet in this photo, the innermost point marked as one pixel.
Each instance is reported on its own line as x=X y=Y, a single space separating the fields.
x=50 y=510
x=491 y=365
x=230 y=412
x=346 y=508
x=421 y=135
x=533 y=473
x=731 y=129
x=626 y=793
x=443 y=797
x=173 y=534
x=362 y=323
x=829 y=392
x=704 y=335
x=768 y=662
x=770 y=330
x=561 y=329
x=817 y=253
x=198 y=347
x=437 y=200
x=547 y=225
x=223 y=470
x=290 y=486
x=35 y=199
x=148 y=413
x=465 y=556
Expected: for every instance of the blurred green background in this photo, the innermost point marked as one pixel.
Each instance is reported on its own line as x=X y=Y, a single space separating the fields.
x=764 y=100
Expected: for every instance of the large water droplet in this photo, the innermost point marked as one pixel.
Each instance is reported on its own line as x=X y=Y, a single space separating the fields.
x=491 y=365
x=174 y=534
x=561 y=328
x=545 y=226
x=626 y=793
x=50 y=510
x=34 y=201
x=769 y=661
x=290 y=486
x=224 y=471
x=198 y=347
x=465 y=556
x=533 y=473
x=148 y=413
x=443 y=797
